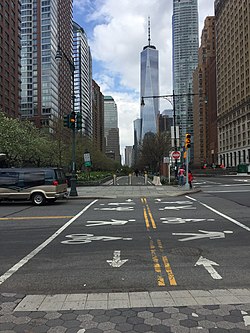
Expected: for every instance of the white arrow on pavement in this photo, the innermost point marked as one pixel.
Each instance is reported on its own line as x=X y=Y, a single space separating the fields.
x=120 y=203
x=177 y=207
x=116 y=261
x=203 y=234
x=112 y=222
x=183 y=202
x=180 y=220
x=119 y=209
x=208 y=265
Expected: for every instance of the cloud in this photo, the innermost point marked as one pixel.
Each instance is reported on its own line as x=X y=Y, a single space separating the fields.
x=118 y=33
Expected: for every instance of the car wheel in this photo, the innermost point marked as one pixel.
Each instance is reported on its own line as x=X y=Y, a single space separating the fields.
x=38 y=199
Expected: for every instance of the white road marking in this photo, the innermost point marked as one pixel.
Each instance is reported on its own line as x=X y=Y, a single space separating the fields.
x=246 y=318
x=183 y=202
x=225 y=216
x=119 y=209
x=111 y=222
x=116 y=262
x=208 y=265
x=88 y=238
x=180 y=220
x=120 y=203
x=177 y=207
x=23 y=261
x=203 y=234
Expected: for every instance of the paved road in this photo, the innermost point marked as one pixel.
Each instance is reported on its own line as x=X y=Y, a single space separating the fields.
x=183 y=260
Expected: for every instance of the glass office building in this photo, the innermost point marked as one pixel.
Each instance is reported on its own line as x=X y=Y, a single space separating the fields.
x=185 y=60
x=149 y=87
x=82 y=78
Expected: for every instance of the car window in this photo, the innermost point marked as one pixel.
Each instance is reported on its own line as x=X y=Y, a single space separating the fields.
x=34 y=178
x=8 y=178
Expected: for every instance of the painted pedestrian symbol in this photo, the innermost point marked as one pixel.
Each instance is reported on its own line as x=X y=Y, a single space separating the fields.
x=111 y=222
x=88 y=238
x=203 y=234
x=180 y=220
x=177 y=207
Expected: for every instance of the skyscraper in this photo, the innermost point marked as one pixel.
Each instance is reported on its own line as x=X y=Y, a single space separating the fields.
x=46 y=93
x=82 y=78
x=111 y=130
x=149 y=87
x=233 y=81
x=185 y=60
x=10 y=69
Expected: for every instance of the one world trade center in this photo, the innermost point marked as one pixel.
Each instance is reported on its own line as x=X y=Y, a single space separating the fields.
x=149 y=87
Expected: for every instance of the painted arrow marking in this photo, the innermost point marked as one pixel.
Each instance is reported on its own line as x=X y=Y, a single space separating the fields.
x=111 y=222
x=177 y=207
x=116 y=261
x=180 y=220
x=203 y=234
x=120 y=203
x=208 y=265
x=183 y=202
x=119 y=209
x=88 y=238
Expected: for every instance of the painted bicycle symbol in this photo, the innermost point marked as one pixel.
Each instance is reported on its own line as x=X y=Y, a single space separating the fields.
x=88 y=238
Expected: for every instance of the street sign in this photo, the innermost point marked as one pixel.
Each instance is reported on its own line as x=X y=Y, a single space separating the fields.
x=176 y=155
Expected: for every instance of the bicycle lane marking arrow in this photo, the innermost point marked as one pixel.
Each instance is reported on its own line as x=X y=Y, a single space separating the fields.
x=208 y=265
x=203 y=234
x=116 y=262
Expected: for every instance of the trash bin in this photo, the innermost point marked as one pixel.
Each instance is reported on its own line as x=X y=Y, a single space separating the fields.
x=242 y=168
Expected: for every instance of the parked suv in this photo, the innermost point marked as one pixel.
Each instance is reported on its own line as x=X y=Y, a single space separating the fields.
x=39 y=185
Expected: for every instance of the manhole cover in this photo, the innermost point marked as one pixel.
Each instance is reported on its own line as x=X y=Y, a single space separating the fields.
x=185 y=251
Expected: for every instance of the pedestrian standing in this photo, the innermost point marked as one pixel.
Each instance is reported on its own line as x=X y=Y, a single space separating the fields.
x=190 y=179
x=181 y=176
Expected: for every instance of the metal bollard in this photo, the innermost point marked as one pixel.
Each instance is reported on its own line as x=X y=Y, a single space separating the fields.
x=146 y=178
x=114 y=179
x=130 y=179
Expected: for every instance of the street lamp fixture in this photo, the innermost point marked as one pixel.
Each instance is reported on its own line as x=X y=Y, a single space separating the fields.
x=59 y=56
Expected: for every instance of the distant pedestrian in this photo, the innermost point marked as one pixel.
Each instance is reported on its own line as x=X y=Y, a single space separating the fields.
x=181 y=176
x=190 y=179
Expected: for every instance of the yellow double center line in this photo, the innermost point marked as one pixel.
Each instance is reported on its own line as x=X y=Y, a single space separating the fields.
x=150 y=222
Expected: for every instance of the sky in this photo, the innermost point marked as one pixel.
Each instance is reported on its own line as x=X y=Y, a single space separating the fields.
x=117 y=31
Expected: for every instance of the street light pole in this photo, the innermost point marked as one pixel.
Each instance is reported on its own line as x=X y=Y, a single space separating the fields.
x=175 y=138
x=58 y=57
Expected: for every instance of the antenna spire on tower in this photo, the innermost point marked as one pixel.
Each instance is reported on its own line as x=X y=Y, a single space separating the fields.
x=149 y=31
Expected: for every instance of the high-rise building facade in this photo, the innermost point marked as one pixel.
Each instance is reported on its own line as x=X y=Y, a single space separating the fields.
x=10 y=64
x=149 y=79
x=185 y=60
x=83 y=78
x=46 y=94
x=204 y=82
x=111 y=130
x=98 y=116
x=233 y=80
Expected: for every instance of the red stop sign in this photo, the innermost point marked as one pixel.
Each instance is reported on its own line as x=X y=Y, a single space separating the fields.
x=176 y=155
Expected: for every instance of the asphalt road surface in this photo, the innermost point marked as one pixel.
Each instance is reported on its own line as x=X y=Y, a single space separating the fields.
x=195 y=241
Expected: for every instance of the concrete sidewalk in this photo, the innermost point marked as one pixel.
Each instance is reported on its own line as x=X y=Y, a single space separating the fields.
x=116 y=191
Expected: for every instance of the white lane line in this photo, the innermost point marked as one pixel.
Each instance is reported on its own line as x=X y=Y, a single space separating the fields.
x=226 y=191
x=225 y=216
x=23 y=261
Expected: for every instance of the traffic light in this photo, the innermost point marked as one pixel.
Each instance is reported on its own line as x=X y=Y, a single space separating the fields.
x=72 y=120
x=66 y=120
x=78 y=121
x=188 y=141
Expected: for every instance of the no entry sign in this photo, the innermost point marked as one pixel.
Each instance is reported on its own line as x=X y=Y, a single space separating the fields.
x=176 y=154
